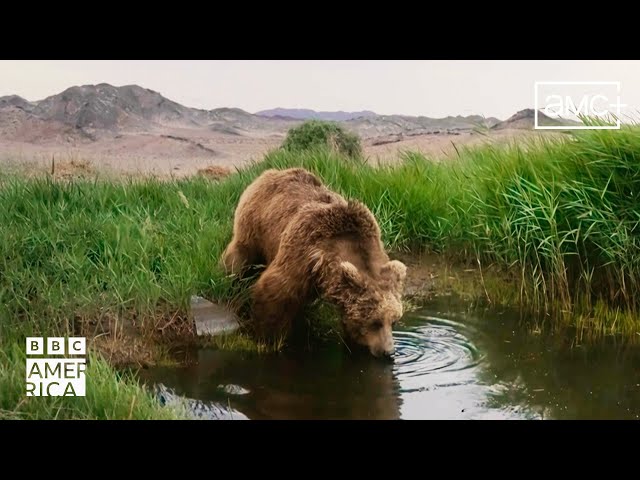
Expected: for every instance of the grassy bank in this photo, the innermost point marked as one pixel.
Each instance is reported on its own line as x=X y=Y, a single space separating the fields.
x=559 y=219
x=109 y=394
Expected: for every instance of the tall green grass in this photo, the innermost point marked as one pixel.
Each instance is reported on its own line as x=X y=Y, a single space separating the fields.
x=87 y=248
x=560 y=215
x=80 y=252
x=564 y=214
x=110 y=395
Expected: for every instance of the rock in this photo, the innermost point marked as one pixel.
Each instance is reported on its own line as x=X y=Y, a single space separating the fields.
x=212 y=319
x=196 y=409
x=233 y=389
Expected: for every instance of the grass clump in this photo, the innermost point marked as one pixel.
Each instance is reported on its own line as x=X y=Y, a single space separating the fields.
x=110 y=395
x=559 y=216
x=314 y=134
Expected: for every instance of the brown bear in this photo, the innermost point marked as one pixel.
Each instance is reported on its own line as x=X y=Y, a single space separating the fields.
x=314 y=243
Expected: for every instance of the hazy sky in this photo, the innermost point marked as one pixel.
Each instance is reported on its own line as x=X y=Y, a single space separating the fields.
x=421 y=87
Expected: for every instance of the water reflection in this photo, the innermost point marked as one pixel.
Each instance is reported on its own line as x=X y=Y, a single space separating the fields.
x=449 y=365
x=324 y=385
x=535 y=376
x=562 y=382
x=438 y=368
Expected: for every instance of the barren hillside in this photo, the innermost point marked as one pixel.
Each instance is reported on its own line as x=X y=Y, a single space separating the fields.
x=134 y=129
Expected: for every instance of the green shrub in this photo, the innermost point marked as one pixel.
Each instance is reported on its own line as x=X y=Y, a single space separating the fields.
x=315 y=133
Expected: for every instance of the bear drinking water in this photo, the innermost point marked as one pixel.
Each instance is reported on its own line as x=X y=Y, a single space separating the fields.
x=315 y=243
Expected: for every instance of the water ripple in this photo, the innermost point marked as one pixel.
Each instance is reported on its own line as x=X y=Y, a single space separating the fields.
x=437 y=347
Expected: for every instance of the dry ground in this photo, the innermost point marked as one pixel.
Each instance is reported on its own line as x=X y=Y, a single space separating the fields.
x=186 y=152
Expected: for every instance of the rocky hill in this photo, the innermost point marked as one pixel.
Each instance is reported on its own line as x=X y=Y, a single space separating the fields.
x=104 y=106
x=15 y=101
x=382 y=125
x=110 y=108
x=130 y=122
x=306 y=114
x=97 y=111
x=134 y=129
x=93 y=111
x=525 y=120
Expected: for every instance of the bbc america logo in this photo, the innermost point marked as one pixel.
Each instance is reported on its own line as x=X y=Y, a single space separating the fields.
x=56 y=377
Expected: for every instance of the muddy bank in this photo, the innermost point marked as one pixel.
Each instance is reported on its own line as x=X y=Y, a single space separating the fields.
x=128 y=341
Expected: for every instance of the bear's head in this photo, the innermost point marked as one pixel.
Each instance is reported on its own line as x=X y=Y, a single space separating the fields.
x=371 y=305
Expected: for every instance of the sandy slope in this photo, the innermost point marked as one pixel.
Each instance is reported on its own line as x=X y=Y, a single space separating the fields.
x=440 y=147
x=181 y=152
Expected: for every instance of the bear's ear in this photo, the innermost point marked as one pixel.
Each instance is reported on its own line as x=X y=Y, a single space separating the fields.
x=351 y=274
x=395 y=270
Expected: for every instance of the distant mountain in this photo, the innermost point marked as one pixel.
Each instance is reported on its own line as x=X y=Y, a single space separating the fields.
x=104 y=109
x=15 y=101
x=91 y=112
x=525 y=119
x=107 y=107
x=307 y=114
x=104 y=106
x=382 y=125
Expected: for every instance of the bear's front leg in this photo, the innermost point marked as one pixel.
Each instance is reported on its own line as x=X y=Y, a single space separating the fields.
x=276 y=302
x=237 y=257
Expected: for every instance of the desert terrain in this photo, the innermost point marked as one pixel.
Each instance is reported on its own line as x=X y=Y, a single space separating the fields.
x=133 y=130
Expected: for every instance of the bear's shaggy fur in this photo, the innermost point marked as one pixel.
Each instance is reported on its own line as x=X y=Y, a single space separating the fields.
x=315 y=243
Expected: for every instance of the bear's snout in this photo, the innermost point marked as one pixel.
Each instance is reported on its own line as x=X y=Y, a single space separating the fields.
x=386 y=348
x=388 y=352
